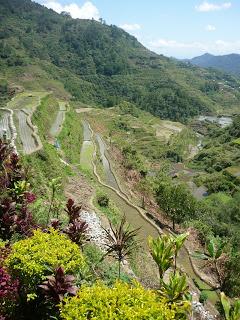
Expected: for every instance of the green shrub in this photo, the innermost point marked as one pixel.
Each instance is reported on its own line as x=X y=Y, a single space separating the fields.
x=203 y=297
x=32 y=259
x=123 y=302
x=103 y=200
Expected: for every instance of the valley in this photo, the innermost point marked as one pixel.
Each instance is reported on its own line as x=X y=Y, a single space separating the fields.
x=94 y=161
x=119 y=175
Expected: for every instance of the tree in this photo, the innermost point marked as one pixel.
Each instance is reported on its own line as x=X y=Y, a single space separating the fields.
x=176 y=201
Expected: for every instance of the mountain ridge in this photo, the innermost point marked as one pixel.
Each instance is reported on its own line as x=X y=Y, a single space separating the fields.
x=102 y=65
x=227 y=63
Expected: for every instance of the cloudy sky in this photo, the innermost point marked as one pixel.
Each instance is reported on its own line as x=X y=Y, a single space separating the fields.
x=178 y=28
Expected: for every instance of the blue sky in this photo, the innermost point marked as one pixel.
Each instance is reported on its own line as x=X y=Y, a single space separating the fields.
x=178 y=28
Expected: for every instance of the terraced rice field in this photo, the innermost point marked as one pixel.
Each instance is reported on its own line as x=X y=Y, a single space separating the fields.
x=23 y=105
x=29 y=139
x=5 y=124
x=57 y=125
x=165 y=129
x=26 y=100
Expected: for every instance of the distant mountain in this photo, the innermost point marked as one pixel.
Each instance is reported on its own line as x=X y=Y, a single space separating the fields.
x=102 y=65
x=228 y=63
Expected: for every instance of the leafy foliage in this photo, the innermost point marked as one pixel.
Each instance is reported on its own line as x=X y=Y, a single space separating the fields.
x=162 y=250
x=123 y=301
x=176 y=290
x=176 y=201
x=15 y=196
x=8 y=292
x=76 y=229
x=34 y=258
x=104 y=65
x=58 y=286
x=214 y=250
x=231 y=312
x=120 y=241
x=8 y=287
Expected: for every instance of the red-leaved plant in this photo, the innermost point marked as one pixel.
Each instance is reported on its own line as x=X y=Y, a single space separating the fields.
x=8 y=286
x=59 y=285
x=14 y=213
x=73 y=210
x=76 y=229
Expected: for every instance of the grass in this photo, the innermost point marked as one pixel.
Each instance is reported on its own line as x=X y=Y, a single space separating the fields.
x=107 y=269
x=237 y=141
x=111 y=211
x=45 y=164
x=27 y=100
x=71 y=136
x=87 y=156
x=45 y=115
x=149 y=135
x=234 y=171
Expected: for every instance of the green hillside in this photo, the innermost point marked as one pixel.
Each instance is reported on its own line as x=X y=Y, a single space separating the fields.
x=102 y=65
x=226 y=63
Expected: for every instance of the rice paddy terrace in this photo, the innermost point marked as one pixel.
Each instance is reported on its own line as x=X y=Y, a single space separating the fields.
x=16 y=121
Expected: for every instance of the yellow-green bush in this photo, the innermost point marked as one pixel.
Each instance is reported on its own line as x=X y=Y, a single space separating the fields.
x=122 y=302
x=33 y=258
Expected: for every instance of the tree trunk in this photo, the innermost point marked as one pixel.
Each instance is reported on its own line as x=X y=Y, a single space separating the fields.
x=143 y=202
x=175 y=262
x=119 y=269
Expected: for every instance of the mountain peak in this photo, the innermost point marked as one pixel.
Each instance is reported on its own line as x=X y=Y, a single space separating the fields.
x=228 y=63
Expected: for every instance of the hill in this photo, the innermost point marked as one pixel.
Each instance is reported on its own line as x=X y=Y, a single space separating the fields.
x=102 y=65
x=226 y=63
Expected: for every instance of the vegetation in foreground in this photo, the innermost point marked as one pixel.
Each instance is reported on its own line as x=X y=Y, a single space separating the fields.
x=214 y=217
x=43 y=265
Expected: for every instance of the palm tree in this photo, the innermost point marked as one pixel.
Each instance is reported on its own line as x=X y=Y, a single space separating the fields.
x=120 y=241
x=231 y=312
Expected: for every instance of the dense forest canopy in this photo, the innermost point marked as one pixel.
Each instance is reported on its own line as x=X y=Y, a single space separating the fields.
x=103 y=65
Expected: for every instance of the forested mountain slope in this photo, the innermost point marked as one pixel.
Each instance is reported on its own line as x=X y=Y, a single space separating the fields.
x=226 y=63
x=101 y=65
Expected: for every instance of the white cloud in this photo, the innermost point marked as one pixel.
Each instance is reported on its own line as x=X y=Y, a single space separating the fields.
x=87 y=11
x=207 y=6
x=130 y=27
x=163 y=43
x=210 y=27
x=176 y=48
